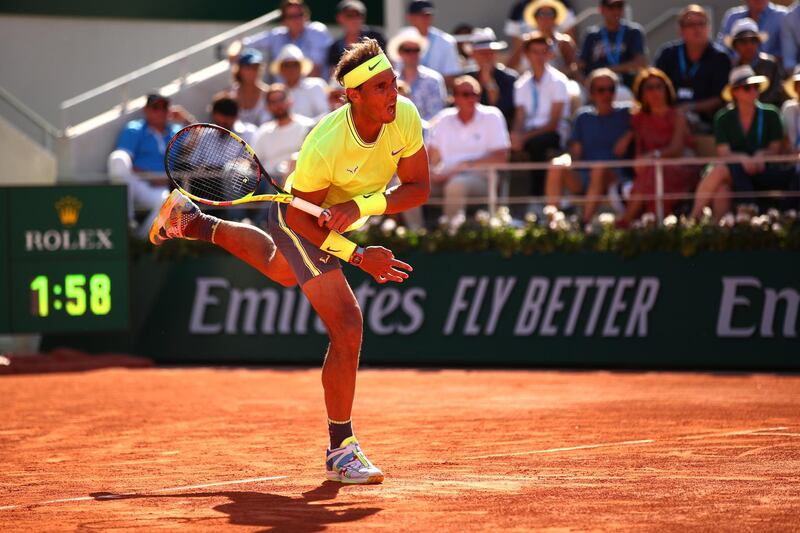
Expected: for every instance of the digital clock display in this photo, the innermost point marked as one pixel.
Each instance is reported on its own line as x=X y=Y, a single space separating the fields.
x=80 y=295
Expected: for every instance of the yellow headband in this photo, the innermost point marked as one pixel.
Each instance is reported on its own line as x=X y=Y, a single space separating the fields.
x=366 y=70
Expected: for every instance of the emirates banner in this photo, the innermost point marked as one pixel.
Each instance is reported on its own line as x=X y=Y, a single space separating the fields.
x=716 y=310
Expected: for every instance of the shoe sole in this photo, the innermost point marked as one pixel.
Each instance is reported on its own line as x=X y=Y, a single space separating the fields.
x=371 y=480
x=163 y=215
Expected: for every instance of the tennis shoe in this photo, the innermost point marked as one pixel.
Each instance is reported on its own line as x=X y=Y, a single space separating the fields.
x=173 y=217
x=348 y=464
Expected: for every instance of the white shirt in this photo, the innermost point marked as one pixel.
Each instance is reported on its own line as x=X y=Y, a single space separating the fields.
x=458 y=142
x=274 y=144
x=310 y=98
x=245 y=130
x=538 y=97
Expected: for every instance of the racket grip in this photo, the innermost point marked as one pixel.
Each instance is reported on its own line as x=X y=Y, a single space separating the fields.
x=308 y=207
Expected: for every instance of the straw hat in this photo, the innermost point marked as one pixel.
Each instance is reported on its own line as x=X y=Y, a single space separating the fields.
x=485 y=39
x=744 y=28
x=406 y=35
x=291 y=52
x=789 y=86
x=741 y=76
x=529 y=15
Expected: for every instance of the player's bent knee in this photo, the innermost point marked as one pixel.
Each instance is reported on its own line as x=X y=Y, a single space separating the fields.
x=347 y=329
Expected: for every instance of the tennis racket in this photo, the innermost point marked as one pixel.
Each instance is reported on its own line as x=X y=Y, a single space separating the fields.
x=214 y=166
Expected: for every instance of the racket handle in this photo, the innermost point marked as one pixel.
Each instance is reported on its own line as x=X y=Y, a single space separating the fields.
x=308 y=207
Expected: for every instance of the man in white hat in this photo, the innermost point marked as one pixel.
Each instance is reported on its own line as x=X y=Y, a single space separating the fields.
x=767 y=15
x=497 y=81
x=745 y=40
x=442 y=52
x=308 y=94
x=748 y=129
x=426 y=86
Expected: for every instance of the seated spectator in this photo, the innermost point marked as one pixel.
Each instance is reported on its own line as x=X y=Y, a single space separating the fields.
x=745 y=39
x=462 y=33
x=276 y=141
x=696 y=67
x=660 y=131
x=467 y=134
x=791 y=111
x=311 y=37
x=497 y=81
x=617 y=44
x=541 y=99
x=441 y=54
x=517 y=26
x=350 y=16
x=309 y=95
x=249 y=91
x=427 y=86
x=336 y=95
x=767 y=15
x=140 y=152
x=601 y=132
x=790 y=38
x=764 y=136
x=225 y=113
x=547 y=16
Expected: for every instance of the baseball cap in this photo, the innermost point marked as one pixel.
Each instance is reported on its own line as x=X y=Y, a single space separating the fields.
x=250 y=56
x=355 y=5
x=154 y=97
x=611 y=2
x=418 y=7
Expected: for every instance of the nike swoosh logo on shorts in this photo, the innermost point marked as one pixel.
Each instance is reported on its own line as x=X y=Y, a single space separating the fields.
x=373 y=66
x=394 y=153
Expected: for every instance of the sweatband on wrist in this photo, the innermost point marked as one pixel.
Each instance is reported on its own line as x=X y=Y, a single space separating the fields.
x=366 y=70
x=338 y=246
x=371 y=204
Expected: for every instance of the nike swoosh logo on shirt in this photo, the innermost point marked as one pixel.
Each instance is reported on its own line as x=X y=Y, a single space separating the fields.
x=394 y=153
x=367 y=196
x=374 y=66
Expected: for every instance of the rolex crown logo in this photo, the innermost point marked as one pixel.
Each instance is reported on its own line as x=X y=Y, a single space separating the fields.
x=68 y=209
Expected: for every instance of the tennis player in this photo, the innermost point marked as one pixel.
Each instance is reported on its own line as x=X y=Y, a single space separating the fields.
x=344 y=165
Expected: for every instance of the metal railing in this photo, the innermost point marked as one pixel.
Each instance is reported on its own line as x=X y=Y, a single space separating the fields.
x=493 y=170
x=49 y=133
x=180 y=58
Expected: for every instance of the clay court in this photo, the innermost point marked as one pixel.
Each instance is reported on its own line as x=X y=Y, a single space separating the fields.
x=204 y=449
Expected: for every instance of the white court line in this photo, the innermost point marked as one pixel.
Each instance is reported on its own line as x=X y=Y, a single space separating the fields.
x=732 y=433
x=156 y=491
x=556 y=450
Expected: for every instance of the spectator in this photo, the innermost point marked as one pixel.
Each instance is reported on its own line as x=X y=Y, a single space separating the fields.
x=350 y=16
x=767 y=15
x=791 y=111
x=308 y=94
x=696 y=67
x=547 y=16
x=336 y=95
x=764 y=136
x=541 y=105
x=225 y=113
x=517 y=26
x=463 y=36
x=311 y=37
x=497 y=81
x=745 y=39
x=618 y=45
x=661 y=131
x=276 y=141
x=467 y=134
x=601 y=132
x=790 y=38
x=139 y=152
x=427 y=86
x=249 y=91
x=441 y=54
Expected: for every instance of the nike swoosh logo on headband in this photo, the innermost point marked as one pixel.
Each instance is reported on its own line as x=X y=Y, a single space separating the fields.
x=374 y=66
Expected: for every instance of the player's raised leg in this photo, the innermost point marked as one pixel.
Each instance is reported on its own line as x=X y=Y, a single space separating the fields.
x=180 y=218
x=334 y=301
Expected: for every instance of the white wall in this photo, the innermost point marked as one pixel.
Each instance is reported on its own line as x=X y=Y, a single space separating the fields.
x=25 y=162
x=46 y=60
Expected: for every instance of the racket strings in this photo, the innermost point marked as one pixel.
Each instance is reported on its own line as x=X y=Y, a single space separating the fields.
x=211 y=164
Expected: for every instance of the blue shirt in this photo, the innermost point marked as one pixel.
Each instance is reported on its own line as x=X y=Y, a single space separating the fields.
x=314 y=42
x=145 y=145
x=603 y=48
x=427 y=91
x=769 y=22
x=442 y=53
x=597 y=134
x=790 y=39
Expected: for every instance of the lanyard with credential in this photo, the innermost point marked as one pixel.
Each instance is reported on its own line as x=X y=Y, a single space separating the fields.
x=613 y=57
x=760 y=126
x=682 y=60
x=535 y=95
